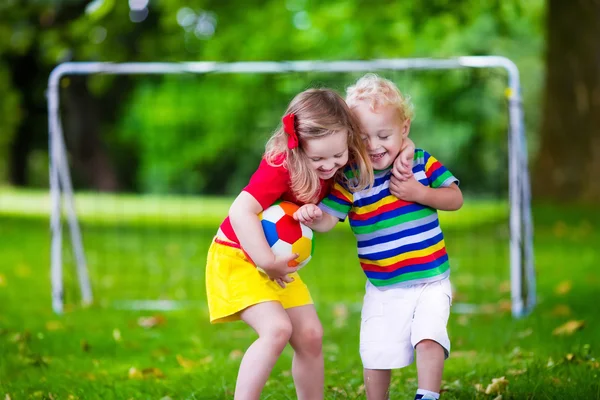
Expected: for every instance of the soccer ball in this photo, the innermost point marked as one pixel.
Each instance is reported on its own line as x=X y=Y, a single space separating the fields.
x=285 y=235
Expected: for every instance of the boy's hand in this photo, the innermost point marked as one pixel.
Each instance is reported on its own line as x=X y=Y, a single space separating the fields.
x=308 y=213
x=278 y=269
x=407 y=190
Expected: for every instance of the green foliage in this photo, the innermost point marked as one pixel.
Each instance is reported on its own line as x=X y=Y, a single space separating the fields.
x=457 y=113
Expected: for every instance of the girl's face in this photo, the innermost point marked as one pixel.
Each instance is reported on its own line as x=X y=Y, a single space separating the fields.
x=327 y=154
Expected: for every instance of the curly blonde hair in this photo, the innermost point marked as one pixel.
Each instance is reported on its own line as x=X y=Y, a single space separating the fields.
x=318 y=113
x=379 y=92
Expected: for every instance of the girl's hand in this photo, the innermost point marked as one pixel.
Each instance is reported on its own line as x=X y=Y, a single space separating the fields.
x=278 y=269
x=403 y=164
x=308 y=214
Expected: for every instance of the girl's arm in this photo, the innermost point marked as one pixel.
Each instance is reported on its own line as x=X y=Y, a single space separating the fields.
x=243 y=215
x=404 y=162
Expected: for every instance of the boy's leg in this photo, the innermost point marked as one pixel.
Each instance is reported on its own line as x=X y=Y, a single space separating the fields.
x=385 y=341
x=377 y=383
x=274 y=330
x=307 y=341
x=430 y=335
x=430 y=365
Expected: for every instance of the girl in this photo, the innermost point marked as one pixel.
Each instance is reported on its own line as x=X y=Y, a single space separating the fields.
x=319 y=136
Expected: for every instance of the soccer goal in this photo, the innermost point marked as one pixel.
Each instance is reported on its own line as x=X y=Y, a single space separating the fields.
x=183 y=138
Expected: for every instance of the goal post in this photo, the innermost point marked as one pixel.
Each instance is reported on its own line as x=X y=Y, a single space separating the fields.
x=521 y=257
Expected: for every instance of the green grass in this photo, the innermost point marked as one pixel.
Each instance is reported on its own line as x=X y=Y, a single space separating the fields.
x=88 y=353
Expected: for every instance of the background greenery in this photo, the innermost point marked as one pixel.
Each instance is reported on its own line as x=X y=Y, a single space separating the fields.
x=147 y=135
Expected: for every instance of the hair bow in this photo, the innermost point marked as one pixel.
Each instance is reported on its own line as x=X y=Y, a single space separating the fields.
x=290 y=129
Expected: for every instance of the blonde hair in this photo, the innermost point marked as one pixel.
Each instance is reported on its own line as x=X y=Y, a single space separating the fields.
x=379 y=92
x=318 y=113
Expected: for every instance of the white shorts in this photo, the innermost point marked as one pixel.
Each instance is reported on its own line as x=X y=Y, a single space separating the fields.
x=396 y=319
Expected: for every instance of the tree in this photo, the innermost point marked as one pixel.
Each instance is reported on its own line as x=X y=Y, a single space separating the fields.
x=568 y=164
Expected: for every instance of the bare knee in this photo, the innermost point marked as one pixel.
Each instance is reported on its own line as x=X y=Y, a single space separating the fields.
x=278 y=333
x=309 y=340
x=428 y=346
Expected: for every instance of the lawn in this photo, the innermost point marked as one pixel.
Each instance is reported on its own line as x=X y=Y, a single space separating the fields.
x=155 y=248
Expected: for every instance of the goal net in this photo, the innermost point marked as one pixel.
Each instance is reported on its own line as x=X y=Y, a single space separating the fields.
x=145 y=159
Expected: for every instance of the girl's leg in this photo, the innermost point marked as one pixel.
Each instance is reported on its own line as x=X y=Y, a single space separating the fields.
x=377 y=383
x=274 y=329
x=307 y=341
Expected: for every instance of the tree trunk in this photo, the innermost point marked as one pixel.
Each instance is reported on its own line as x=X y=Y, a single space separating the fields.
x=568 y=164
x=88 y=157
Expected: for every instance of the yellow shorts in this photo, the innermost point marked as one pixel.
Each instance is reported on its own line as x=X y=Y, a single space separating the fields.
x=233 y=284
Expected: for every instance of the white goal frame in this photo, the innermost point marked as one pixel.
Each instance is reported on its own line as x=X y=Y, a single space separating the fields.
x=522 y=273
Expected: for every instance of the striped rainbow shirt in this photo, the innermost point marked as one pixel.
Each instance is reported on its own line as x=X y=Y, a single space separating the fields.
x=399 y=243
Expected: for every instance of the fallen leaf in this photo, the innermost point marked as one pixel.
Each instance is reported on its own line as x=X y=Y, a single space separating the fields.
x=488 y=308
x=560 y=229
x=569 y=357
x=497 y=386
x=151 y=322
x=479 y=388
x=568 y=328
x=561 y=310
x=515 y=372
x=236 y=355
x=22 y=270
x=2 y=283
x=525 y=333
x=505 y=306
x=54 y=325
x=504 y=287
x=563 y=288
x=464 y=354
x=7 y=396
x=205 y=360
x=135 y=373
x=185 y=363
x=499 y=397
x=340 y=315
x=152 y=372
x=116 y=335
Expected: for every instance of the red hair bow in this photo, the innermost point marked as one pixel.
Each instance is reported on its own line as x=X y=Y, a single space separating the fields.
x=290 y=129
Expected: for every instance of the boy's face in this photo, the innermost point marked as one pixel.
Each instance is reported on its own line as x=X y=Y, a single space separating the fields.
x=383 y=131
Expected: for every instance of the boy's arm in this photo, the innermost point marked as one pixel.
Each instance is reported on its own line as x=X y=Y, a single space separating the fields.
x=313 y=217
x=447 y=198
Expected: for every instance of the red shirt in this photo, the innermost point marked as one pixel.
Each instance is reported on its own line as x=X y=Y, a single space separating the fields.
x=267 y=185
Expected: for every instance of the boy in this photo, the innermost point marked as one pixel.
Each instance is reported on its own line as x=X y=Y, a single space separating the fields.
x=400 y=244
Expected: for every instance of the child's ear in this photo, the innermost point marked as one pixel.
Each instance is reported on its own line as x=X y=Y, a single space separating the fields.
x=405 y=128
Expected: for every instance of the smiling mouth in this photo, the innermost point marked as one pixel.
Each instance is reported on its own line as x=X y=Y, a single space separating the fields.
x=377 y=156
